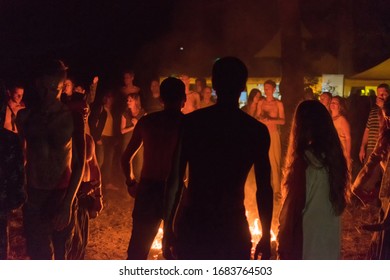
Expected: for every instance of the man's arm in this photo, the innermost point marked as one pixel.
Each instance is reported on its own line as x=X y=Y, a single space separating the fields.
x=77 y=165
x=362 y=152
x=264 y=196
x=172 y=196
x=280 y=119
x=259 y=109
x=131 y=149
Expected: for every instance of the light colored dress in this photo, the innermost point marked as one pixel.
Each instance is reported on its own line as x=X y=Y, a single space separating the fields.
x=321 y=227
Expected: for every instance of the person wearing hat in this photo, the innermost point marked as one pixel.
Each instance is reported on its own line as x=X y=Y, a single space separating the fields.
x=55 y=156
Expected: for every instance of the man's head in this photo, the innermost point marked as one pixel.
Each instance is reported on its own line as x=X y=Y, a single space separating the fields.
x=155 y=88
x=325 y=99
x=128 y=77
x=382 y=92
x=51 y=75
x=229 y=78
x=172 y=92
x=16 y=93
x=269 y=88
x=186 y=80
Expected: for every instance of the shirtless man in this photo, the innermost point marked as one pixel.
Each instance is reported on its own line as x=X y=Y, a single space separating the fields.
x=55 y=154
x=192 y=97
x=270 y=111
x=158 y=132
x=14 y=104
x=220 y=144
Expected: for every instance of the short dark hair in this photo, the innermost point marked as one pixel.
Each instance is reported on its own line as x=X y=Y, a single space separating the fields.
x=172 y=90
x=327 y=93
x=271 y=83
x=229 y=75
x=383 y=85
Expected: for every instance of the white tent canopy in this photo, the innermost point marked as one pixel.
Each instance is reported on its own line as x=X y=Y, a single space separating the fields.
x=378 y=72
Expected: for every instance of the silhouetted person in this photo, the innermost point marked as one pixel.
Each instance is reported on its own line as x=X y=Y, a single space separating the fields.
x=55 y=154
x=220 y=144
x=12 y=182
x=159 y=133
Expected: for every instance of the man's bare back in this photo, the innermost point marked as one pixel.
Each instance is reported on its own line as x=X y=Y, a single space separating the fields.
x=159 y=133
x=49 y=151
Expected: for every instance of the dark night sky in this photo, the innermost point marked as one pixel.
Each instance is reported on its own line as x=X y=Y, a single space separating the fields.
x=103 y=36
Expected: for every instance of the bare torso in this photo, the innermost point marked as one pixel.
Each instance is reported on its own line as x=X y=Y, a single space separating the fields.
x=48 y=138
x=269 y=110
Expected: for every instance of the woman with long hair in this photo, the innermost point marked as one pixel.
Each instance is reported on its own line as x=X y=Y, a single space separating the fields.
x=253 y=99
x=316 y=180
x=338 y=112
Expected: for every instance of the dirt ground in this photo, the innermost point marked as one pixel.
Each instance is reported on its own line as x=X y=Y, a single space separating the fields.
x=110 y=231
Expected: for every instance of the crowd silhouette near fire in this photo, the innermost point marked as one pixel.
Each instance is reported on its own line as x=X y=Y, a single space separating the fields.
x=184 y=152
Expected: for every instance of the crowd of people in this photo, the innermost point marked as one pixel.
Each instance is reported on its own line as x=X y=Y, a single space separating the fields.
x=184 y=157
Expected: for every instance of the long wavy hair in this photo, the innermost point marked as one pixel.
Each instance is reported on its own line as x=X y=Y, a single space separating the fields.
x=312 y=129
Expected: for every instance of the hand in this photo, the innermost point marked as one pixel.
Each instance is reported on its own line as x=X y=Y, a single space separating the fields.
x=362 y=155
x=263 y=248
x=97 y=208
x=95 y=80
x=167 y=245
x=63 y=217
x=98 y=205
x=132 y=187
x=134 y=121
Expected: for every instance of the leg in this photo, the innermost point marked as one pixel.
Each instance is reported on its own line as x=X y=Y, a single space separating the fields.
x=275 y=159
x=147 y=217
x=3 y=236
x=37 y=230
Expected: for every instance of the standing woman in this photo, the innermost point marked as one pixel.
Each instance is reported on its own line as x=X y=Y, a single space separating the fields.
x=338 y=112
x=317 y=182
x=253 y=99
x=129 y=119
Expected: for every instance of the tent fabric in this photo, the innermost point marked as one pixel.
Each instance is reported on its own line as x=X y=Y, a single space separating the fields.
x=378 y=72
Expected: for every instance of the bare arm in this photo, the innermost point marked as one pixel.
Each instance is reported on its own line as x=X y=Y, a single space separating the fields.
x=264 y=196
x=259 y=109
x=280 y=119
x=78 y=164
x=347 y=134
x=362 y=152
x=125 y=129
x=131 y=149
x=172 y=196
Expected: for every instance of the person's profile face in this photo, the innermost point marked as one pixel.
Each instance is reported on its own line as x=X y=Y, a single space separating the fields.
x=17 y=95
x=325 y=100
x=130 y=102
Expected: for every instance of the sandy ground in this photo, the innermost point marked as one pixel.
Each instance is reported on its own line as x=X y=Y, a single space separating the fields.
x=110 y=231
